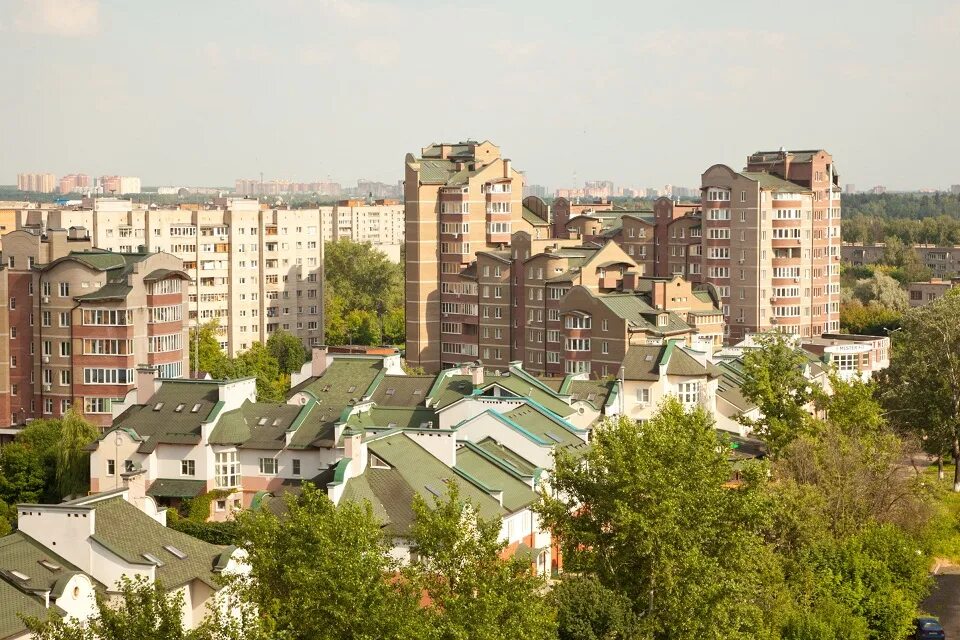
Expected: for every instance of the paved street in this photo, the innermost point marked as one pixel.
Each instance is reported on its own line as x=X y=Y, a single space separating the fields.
x=944 y=602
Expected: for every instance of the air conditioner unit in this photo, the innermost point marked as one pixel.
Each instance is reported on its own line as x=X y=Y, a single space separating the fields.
x=46 y=359
x=46 y=299
x=46 y=386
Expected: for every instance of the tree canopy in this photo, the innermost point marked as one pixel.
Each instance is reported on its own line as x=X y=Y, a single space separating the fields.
x=363 y=296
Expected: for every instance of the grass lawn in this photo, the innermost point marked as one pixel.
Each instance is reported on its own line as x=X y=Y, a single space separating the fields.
x=943 y=534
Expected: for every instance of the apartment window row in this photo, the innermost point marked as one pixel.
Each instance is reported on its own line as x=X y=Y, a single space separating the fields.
x=455 y=227
x=499 y=227
x=97 y=405
x=578 y=344
x=499 y=207
x=458 y=348
x=164 y=343
x=790 y=233
x=454 y=207
x=786 y=292
x=458 y=307
x=718 y=253
x=451 y=327
x=107 y=317
x=718 y=234
x=170 y=285
x=786 y=214
x=170 y=313
x=108 y=376
x=718 y=195
x=786 y=272
x=718 y=272
x=455 y=247
x=578 y=322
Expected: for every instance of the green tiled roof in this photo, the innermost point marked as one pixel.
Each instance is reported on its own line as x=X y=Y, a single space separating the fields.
x=20 y=553
x=479 y=465
x=110 y=291
x=772 y=182
x=549 y=428
x=450 y=388
x=508 y=457
x=15 y=603
x=413 y=471
x=642 y=362
x=176 y=488
x=129 y=533
x=160 y=422
x=402 y=391
x=345 y=380
x=640 y=315
x=256 y=425
x=393 y=418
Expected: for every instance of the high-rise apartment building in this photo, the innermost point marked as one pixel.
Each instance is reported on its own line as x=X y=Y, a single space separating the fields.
x=79 y=321
x=118 y=185
x=771 y=242
x=75 y=183
x=380 y=223
x=461 y=199
x=38 y=182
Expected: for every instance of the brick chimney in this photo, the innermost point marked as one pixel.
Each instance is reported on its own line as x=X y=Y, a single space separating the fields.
x=318 y=361
x=630 y=281
x=659 y=294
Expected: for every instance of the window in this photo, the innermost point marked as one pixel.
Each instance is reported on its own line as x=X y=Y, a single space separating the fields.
x=64 y=318
x=111 y=467
x=718 y=195
x=46 y=319
x=108 y=317
x=689 y=392
x=96 y=405
x=64 y=349
x=64 y=289
x=108 y=376
x=13 y=303
x=170 y=313
x=578 y=344
x=296 y=466
x=718 y=214
x=743 y=196
x=643 y=396
x=188 y=467
x=227 y=470
x=268 y=466
x=164 y=343
x=577 y=366
x=577 y=322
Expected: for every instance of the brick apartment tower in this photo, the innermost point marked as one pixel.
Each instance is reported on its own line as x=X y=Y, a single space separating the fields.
x=771 y=242
x=460 y=199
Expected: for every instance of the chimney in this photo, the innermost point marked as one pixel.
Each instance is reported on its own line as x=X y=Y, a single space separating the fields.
x=506 y=167
x=476 y=376
x=136 y=484
x=318 y=361
x=659 y=292
x=630 y=281
x=147 y=383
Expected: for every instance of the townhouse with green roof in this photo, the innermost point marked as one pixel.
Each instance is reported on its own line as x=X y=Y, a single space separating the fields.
x=63 y=554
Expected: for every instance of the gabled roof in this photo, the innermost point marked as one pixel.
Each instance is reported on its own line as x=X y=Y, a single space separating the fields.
x=548 y=427
x=21 y=553
x=394 y=418
x=129 y=533
x=402 y=391
x=508 y=457
x=490 y=472
x=533 y=218
x=176 y=488
x=257 y=425
x=450 y=388
x=413 y=471
x=593 y=391
x=643 y=362
x=161 y=422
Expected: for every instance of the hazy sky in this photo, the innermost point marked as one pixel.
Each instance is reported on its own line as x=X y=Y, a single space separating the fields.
x=637 y=92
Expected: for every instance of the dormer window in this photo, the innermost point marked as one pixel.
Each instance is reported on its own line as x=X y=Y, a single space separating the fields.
x=662 y=320
x=377 y=463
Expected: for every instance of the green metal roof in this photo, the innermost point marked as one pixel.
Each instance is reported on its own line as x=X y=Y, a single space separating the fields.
x=548 y=427
x=176 y=488
x=509 y=457
x=450 y=388
x=129 y=533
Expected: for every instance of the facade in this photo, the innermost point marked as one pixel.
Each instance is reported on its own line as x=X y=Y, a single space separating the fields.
x=943 y=261
x=771 y=242
x=380 y=223
x=118 y=185
x=920 y=293
x=64 y=554
x=38 y=182
x=80 y=321
x=75 y=183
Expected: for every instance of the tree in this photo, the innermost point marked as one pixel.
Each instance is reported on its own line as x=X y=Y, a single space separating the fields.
x=205 y=352
x=362 y=275
x=288 y=351
x=775 y=381
x=852 y=406
x=921 y=388
x=473 y=593
x=73 y=460
x=884 y=290
x=394 y=326
x=648 y=513
x=23 y=477
x=873 y=319
x=587 y=610
x=324 y=572
x=258 y=361
x=362 y=327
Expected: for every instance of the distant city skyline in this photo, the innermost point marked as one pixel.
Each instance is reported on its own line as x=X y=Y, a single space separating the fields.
x=335 y=90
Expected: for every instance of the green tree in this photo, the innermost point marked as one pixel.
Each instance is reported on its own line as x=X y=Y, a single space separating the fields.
x=23 y=477
x=323 y=572
x=921 y=388
x=473 y=593
x=288 y=351
x=647 y=512
x=258 y=361
x=587 y=610
x=72 y=458
x=205 y=352
x=884 y=290
x=362 y=275
x=394 y=326
x=873 y=319
x=775 y=381
x=852 y=406
x=363 y=327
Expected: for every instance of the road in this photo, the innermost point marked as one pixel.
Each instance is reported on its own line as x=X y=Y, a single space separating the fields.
x=944 y=602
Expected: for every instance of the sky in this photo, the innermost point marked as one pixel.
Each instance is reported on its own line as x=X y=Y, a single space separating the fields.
x=645 y=94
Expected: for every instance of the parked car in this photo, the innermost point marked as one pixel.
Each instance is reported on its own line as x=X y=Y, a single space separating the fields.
x=927 y=629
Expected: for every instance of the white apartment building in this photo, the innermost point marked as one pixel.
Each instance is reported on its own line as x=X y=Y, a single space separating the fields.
x=255 y=270
x=380 y=223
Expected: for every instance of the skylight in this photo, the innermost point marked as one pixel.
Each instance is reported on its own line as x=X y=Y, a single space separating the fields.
x=46 y=564
x=591 y=397
x=432 y=491
x=196 y=408
x=276 y=422
x=391 y=425
x=158 y=406
x=149 y=557
x=180 y=407
x=177 y=552
x=352 y=388
x=262 y=421
x=553 y=437
x=417 y=392
x=391 y=391
x=20 y=576
x=648 y=358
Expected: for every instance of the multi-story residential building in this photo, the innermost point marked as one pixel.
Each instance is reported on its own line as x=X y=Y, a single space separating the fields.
x=771 y=242
x=75 y=183
x=118 y=185
x=920 y=293
x=943 y=261
x=64 y=556
x=81 y=320
x=253 y=269
x=380 y=223
x=38 y=182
